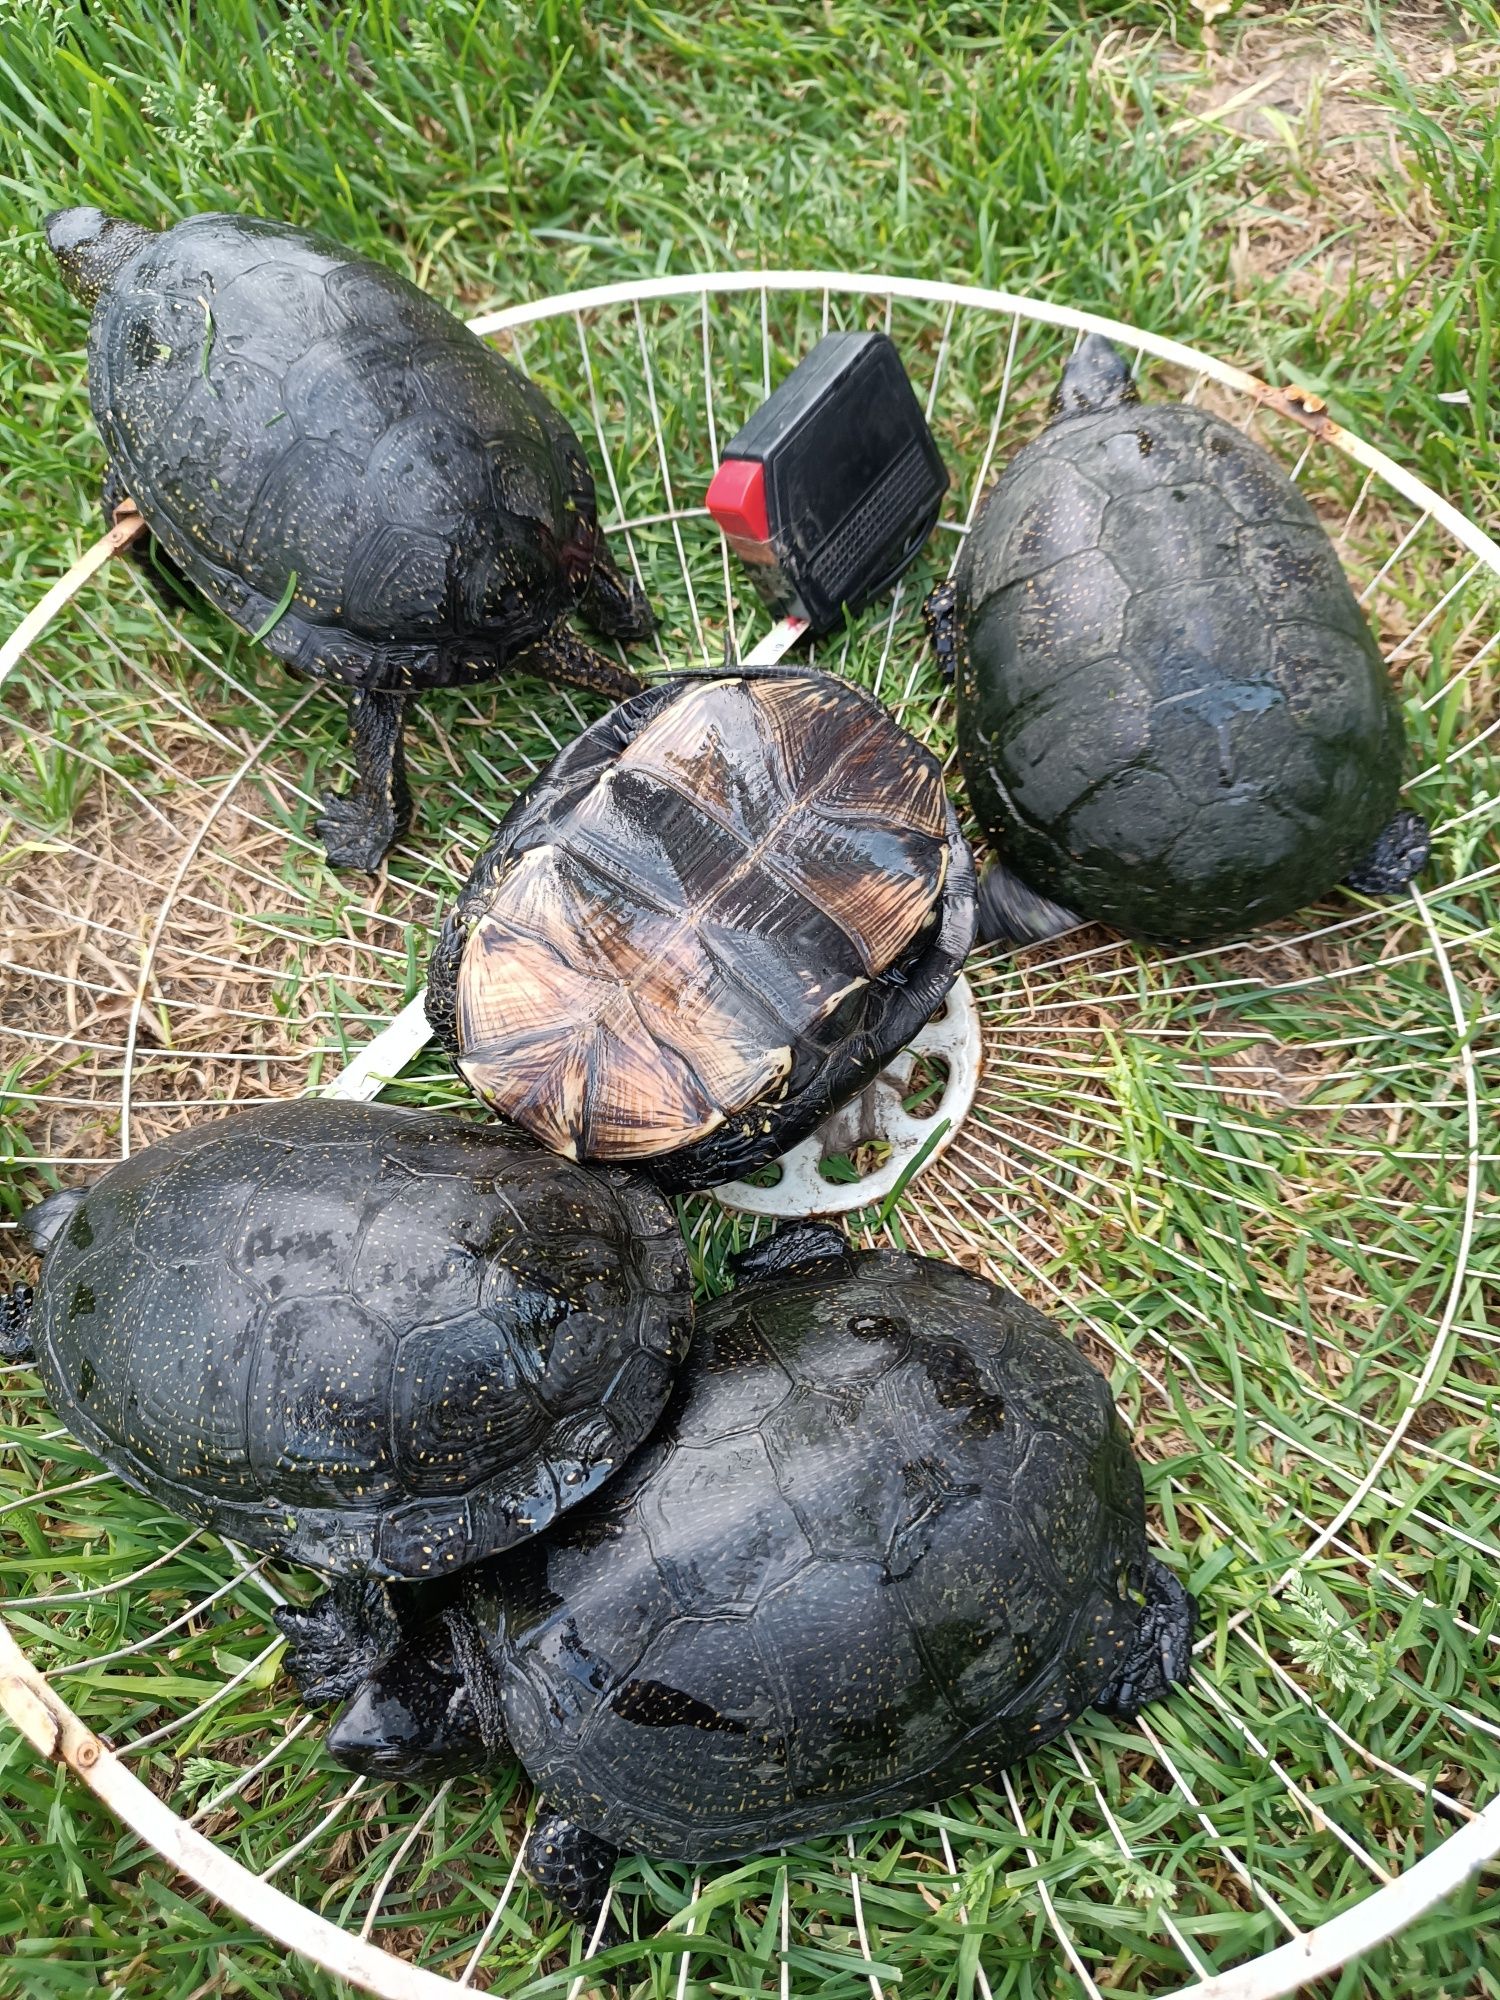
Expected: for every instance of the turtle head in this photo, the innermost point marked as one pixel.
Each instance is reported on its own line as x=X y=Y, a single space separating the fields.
x=415 y=1715
x=1095 y=379
x=90 y=247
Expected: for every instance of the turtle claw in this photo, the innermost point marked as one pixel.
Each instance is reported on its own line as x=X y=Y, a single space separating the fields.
x=338 y=1640
x=1401 y=851
x=940 y=616
x=354 y=833
x=15 y=1323
x=572 y=1868
x=615 y=605
x=1161 y=1655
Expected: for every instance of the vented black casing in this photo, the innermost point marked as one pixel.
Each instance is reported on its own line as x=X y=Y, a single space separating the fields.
x=853 y=479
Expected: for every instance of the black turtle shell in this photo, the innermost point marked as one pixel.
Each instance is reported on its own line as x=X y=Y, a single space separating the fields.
x=709 y=922
x=365 y=1338
x=1172 y=715
x=273 y=404
x=879 y=1547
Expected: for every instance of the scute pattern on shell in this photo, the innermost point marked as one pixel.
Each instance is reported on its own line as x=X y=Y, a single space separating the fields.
x=362 y=1337
x=878 y=1548
x=1172 y=714
x=273 y=405
x=713 y=895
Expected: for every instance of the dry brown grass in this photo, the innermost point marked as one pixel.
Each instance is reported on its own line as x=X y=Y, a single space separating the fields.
x=1309 y=91
x=161 y=941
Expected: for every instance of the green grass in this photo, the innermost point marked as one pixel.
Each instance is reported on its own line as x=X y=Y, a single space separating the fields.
x=1261 y=1281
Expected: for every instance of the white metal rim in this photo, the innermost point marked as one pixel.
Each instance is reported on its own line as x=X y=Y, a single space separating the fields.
x=56 y=1731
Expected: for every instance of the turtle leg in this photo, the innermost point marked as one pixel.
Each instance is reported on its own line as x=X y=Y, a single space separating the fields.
x=613 y=604
x=1400 y=852
x=339 y=1639
x=1010 y=913
x=572 y=1868
x=561 y=656
x=940 y=616
x=797 y=1247
x=357 y=830
x=1162 y=1654
x=15 y=1323
x=441 y=1003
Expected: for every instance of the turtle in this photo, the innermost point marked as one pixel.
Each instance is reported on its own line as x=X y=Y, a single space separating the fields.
x=889 y=1538
x=1173 y=717
x=346 y=472
x=709 y=921
x=383 y=1342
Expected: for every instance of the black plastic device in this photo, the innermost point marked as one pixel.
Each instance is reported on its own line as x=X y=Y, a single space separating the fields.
x=835 y=483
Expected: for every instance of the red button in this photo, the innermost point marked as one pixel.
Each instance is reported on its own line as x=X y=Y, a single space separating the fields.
x=737 y=500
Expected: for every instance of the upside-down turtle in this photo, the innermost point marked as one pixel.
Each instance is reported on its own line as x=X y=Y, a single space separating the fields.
x=710 y=921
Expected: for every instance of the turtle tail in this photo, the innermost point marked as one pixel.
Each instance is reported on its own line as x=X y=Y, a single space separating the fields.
x=1012 y=914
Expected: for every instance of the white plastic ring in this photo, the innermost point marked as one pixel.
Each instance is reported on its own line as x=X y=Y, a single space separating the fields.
x=878 y=1113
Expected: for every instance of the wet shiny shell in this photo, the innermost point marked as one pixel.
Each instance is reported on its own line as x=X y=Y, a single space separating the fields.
x=1172 y=715
x=274 y=404
x=877 y=1550
x=362 y=1337
x=724 y=903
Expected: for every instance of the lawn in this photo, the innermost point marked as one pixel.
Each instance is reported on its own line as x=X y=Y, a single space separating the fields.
x=1244 y=1180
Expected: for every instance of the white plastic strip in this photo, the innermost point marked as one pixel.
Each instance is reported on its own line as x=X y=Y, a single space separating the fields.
x=67 y=586
x=53 y=1729
x=380 y=1062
